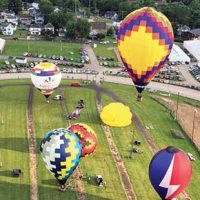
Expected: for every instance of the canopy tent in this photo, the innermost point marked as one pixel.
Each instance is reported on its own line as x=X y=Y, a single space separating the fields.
x=178 y=55
x=2 y=45
x=193 y=47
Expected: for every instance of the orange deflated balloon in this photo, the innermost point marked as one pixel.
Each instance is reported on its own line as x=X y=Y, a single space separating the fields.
x=145 y=40
x=86 y=136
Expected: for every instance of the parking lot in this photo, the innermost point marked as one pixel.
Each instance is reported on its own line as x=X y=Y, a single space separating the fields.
x=195 y=71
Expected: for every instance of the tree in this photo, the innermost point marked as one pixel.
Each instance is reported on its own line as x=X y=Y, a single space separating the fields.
x=14 y=5
x=110 y=32
x=48 y=34
x=71 y=30
x=178 y=14
x=82 y=28
x=46 y=8
x=60 y=19
x=100 y=36
x=3 y=4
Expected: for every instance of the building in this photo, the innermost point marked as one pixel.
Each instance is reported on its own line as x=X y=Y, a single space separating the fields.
x=2 y=18
x=99 y=27
x=35 y=30
x=178 y=55
x=49 y=27
x=2 y=45
x=12 y=19
x=25 y=21
x=39 y=19
x=61 y=32
x=191 y=34
x=193 y=47
x=111 y=15
x=8 y=28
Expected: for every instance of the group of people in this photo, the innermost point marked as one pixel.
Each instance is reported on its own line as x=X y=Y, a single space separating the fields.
x=76 y=113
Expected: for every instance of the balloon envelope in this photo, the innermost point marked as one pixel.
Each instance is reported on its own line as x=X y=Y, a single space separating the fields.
x=87 y=137
x=116 y=114
x=170 y=172
x=61 y=151
x=145 y=39
x=46 y=78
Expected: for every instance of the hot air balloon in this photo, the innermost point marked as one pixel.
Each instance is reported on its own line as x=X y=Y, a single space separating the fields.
x=87 y=137
x=46 y=78
x=116 y=114
x=61 y=151
x=145 y=40
x=170 y=172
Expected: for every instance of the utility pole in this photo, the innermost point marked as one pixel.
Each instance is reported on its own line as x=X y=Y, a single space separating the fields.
x=89 y=5
x=75 y=9
x=177 y=106
x=193 y=126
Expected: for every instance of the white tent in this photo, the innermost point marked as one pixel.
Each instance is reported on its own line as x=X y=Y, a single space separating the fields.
x=177 y=54
x=193 y=47
x=2 y=45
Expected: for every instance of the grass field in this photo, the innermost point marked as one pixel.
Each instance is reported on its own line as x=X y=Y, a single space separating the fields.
x=101 y=162
x=14 y=146
x=153 y=114
x=105 y=51
x=18 y=48
x=13 y=143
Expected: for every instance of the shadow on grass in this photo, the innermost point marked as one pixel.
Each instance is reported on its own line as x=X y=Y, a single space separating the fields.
x=17 y=144
x=6 y=173
x=16 y=191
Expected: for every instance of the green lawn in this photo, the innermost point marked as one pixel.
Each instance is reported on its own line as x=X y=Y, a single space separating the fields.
x=152 y=113
x=137 y=166
x=18 y=48
x=101 y=162
x=14 y=146
x=14 y=143
x=48 y=117
x=105 y=51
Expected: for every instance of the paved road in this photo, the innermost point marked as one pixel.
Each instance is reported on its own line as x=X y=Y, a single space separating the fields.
x=186 y=92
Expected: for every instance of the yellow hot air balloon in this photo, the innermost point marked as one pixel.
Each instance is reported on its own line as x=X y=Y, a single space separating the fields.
x=145 y=40
x=116 y=114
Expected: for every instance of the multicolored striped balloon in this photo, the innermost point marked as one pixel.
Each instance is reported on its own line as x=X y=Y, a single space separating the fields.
x=87 y=137
x=61 y=151
x=145 y=40
x=46 y=77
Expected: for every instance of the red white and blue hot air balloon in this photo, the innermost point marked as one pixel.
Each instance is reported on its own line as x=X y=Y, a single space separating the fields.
x=170 y=172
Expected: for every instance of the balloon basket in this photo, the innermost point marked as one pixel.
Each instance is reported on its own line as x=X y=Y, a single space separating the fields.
x=139 y=97
x=62 y=188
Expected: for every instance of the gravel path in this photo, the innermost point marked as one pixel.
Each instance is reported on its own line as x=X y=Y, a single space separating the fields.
x=115 y=154
x=79 y=183
x=32 y=148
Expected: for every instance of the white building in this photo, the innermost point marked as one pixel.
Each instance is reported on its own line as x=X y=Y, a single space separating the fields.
x=35 y=30
x=2 y=45
x=193 y=47
x=178 y=55
x=39 y=19
x=8 y=29
x=12 y=19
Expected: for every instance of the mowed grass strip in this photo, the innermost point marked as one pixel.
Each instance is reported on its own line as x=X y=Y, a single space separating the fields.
x=48 y=117
x=101 y=162
x=13 y=143
x=18 y=48
x=105 y=51
x=152 y=114
x=136 y=164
